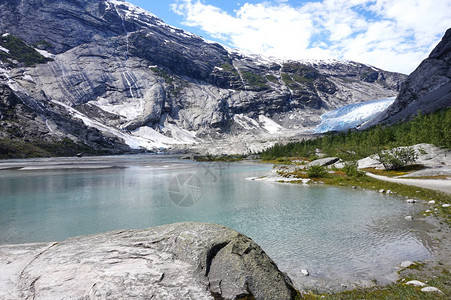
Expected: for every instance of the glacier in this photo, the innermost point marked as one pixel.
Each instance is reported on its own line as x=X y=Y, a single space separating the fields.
x=352 y=115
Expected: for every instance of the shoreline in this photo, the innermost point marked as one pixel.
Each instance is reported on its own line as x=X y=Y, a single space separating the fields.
x=436 y=229
x=440 y=249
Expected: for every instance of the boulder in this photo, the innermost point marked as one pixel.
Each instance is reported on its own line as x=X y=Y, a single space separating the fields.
x=407 y=263
x=369 y=162
x=415 y=283
x=323 y=161
x=178 y=261
x=431 y=289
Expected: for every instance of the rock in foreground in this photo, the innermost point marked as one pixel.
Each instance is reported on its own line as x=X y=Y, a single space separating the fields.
x=178 y=261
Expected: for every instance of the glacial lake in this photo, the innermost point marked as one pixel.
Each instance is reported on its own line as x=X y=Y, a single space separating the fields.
x=342 y=236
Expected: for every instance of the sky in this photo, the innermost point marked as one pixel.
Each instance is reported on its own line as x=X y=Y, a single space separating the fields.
x=394 y=35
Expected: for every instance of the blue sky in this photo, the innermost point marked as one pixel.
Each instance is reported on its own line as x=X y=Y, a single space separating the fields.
x=394 y=35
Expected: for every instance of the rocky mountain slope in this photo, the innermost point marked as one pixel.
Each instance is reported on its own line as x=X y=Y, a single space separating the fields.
x=427 y=89
x=130 y=80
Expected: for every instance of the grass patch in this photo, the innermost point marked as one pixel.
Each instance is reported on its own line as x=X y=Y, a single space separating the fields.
x=226 y=158
x=254 y=80
x=287 y=161
x=288 y=80
x=20 y=51
x=301 y=79
x=398 y=290
x=272 y=78
x=393 y=173
x=11 y=148
x=227 y=67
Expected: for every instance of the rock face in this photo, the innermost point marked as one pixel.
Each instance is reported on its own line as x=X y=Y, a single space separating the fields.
x=324 y=162
x=178 y=261
x=122 y=71
x=427 y=89
x=30 y=121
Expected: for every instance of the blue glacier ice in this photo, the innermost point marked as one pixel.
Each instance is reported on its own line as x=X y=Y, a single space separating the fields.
x=352 y=115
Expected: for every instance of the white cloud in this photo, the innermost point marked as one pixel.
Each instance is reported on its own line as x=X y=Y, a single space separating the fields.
x=391 y=34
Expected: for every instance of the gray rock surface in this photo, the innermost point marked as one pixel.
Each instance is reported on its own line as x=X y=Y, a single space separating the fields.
x=323 y=162
x=178 y=261
x=431 y=289
x=406 y=264
x=427 y=89
x=436 y=160
x=124 y=72
x=415 y=283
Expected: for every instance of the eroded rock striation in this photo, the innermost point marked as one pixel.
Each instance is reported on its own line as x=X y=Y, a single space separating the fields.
x=178 y=261
x=123 y=71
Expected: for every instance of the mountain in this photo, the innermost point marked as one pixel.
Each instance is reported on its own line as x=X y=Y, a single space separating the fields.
x=109 y=76
x=427 y=89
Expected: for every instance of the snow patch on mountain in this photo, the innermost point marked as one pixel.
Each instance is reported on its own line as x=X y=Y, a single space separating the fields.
x=132 y=10
x=4 y=49
x=269 y=125
x=246 y=122
x=141 y=138
x=45 y=53
x=352 y=115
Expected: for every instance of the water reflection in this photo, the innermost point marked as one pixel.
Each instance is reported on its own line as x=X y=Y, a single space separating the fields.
x=333 y=232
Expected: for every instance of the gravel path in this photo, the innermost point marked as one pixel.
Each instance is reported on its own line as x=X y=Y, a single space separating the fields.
x=433 y=184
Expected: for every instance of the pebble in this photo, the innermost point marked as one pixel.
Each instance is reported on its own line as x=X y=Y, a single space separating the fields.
x=428 y=211
x=381 y=191
x=411 y=201
x=431 y=289
x=446 y=205
x=406 y=264
x=305 y=272
x=409 y=218
x=415 y=283
x=431 y=202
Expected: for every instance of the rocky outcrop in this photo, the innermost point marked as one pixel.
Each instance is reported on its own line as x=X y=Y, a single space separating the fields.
x=324 y=162
x=47 y=130
x=179 y=261
x=427 y=89
x=122 y=71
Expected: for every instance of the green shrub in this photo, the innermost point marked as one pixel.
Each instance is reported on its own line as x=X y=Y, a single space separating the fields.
x=397 y=158
x=351 y=169
x=316 y=171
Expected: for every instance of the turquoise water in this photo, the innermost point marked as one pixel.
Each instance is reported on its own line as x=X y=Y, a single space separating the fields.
x=333 y=232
